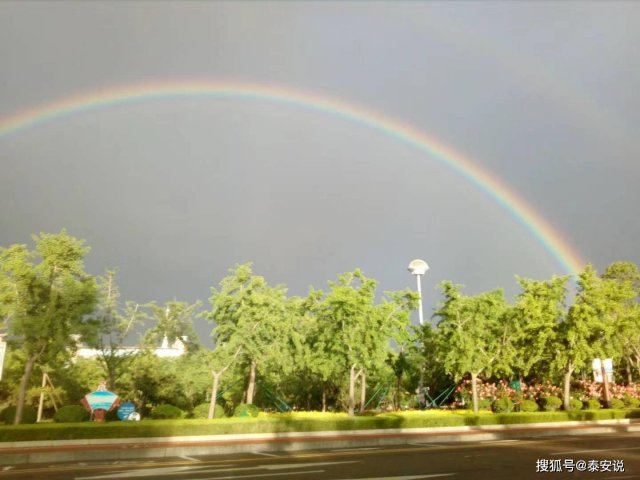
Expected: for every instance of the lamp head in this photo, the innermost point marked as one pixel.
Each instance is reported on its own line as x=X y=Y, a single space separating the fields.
x=418 y=267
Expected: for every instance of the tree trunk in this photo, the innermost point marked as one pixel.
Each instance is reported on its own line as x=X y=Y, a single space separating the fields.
x=605 y=387
x=352 y=381
x=363 y=390
x=324 y=397
x=474 y=392
x=41 y=402
x=24 y=382
x=566 y=393
x=214 y=394
x=251 y=388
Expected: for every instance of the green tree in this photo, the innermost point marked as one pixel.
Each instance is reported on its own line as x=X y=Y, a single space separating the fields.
x=539 y=308
x=474 y=334
x=589 y=330
x=116 y=322
x=173 y=321
x=46 y=303
x=355 y=332
x=626 y=277
x=251 y=315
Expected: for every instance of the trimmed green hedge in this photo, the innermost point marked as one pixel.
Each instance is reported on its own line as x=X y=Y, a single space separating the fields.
x=165 y=411
x=202 y=411
x=8 y=415
x=71 y=414
x=292 y=422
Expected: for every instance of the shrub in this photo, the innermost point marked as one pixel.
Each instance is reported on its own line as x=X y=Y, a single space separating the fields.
x=575 y=404
x=617 y=403
x=592 y=404
x=246 y=410
x=484 y=404
x=502 y=405
x=202 y=411
x=166 y=411
x=529 y=406
x=630 y=401
x=8 y=415
x=71 y=413
x=551 y=403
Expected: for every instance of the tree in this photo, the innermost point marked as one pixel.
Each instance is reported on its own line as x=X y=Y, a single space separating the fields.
x=539 y=309
x=355 y=332
x=250 y=315
x=173 y=321
x=474 y=334
x=46 y=303
x=116 y=322
x=627 y=278
x=589 y=330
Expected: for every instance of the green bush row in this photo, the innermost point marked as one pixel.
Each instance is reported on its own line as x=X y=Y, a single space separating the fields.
x=291 y=423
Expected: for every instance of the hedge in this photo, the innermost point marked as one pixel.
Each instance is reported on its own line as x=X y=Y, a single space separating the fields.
x=71 y=414
x=292 y=422
x=202 y=411
x=8 y=415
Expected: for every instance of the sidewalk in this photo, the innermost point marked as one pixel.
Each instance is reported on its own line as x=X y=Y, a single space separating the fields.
x=14 y=453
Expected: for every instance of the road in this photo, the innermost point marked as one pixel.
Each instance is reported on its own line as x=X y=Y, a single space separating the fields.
x=610 y=456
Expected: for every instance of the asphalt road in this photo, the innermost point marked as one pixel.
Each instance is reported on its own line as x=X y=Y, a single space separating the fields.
x=611 y=456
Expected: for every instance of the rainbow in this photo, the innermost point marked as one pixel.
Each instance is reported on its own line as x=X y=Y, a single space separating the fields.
x=550 y=239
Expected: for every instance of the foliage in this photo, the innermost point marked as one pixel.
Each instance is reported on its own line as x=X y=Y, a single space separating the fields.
x=575 y=404
x=202 y=411
x=8 y=415
x=502 y=405
x=617 y=403
x=246 y=410
x=293 y=422
x=115 y=322
x=71 y=414
x=528 y=406
x=173 y=321
x=474 y=334
x=47 y=303
x=251 y=318
x=540 y=307
x=592 y=404
x=166 y=411
x=631 y=402
x=551 y=403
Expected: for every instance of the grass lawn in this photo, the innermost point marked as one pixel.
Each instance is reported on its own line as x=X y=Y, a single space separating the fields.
x=293 y=422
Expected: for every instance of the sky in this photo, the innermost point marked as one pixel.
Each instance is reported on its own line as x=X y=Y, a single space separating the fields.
x=175 y=190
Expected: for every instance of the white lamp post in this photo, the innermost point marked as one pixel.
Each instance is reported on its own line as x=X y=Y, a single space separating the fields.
x=419 y=267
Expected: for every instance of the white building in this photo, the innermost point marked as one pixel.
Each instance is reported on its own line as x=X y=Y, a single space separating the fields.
x=164 y=350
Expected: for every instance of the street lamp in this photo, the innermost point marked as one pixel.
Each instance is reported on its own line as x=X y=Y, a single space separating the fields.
x=419 y=267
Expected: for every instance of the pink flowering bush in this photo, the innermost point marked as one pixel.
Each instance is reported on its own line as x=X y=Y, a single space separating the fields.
x=584 y=390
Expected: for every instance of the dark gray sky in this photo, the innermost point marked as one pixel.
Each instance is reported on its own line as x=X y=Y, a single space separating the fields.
x=543 y=95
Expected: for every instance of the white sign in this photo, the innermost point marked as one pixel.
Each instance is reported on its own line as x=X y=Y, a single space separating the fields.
x=3 y=350
x=597 y=365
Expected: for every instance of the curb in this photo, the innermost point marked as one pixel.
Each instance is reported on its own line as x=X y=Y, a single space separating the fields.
x=15 y=453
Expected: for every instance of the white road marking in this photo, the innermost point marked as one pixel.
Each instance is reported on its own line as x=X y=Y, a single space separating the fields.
x=8 y=467
x=189 y=458
x=268 y=475
x=265 y=454
x=154 y=472
x=354 y=449
x=406 y=477
x=498 y=441
x=147 y=472
x=610 y=450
